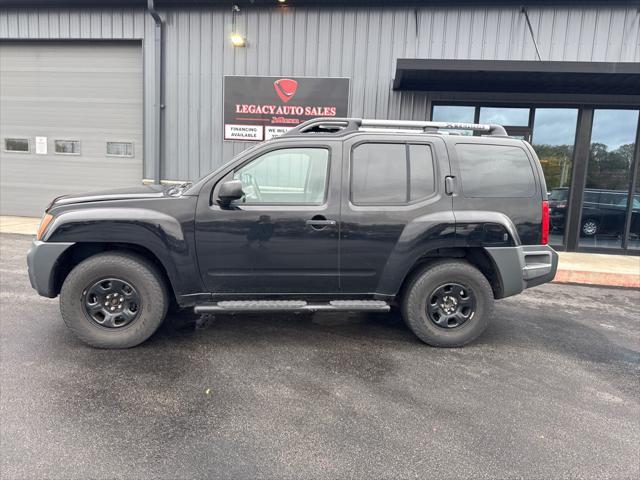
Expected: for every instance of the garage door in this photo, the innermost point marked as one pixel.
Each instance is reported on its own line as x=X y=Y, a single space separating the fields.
x=70 y=120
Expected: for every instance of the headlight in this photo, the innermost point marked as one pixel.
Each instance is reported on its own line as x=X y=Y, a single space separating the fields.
x=44 y=223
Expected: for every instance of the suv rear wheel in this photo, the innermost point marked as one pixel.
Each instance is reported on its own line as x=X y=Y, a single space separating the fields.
x=114 y=300
x=448 y=304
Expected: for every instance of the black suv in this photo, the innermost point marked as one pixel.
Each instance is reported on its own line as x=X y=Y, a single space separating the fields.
x=337 y=214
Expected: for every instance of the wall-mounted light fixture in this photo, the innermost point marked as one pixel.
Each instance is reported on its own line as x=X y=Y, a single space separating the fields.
x=237 y=39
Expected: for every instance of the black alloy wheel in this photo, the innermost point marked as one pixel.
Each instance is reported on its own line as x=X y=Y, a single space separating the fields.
x=111 y=303
x=451 y=305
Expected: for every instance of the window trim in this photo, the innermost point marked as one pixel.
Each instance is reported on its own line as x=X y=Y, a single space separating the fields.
x=133 y=151
x=407 y=202
x=4 y=145
x=327 y=180
x=66 y=153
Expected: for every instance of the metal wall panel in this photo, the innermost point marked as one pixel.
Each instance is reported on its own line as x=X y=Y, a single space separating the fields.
x=360 y=43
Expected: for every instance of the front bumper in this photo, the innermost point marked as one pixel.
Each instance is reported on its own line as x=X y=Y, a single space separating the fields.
x=524 y=266
x=42 y=260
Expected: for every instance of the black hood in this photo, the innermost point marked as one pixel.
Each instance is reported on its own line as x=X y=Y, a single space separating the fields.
x=125 y=193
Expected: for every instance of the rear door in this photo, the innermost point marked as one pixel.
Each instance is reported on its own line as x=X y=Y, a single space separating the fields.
x=495 y=175
x=393 y=207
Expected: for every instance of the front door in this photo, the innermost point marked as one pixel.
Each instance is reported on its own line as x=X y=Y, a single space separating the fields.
x=282 y=236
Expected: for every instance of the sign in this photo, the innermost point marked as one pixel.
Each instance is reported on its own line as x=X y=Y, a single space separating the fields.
x=261 y=108
x=41 y=145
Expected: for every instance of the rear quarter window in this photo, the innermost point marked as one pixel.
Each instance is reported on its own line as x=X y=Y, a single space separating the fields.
x=495 y=171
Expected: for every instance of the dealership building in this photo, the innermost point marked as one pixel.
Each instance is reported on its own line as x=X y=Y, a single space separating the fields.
x=111 y=93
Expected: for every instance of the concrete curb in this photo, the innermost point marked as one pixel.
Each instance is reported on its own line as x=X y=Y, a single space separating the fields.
x=602 y=279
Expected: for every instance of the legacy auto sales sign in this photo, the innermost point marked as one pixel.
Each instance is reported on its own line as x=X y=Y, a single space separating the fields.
x=260 y=108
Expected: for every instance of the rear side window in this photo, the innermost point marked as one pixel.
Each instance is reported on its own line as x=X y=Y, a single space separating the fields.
x=495 y=171
x=391 y=173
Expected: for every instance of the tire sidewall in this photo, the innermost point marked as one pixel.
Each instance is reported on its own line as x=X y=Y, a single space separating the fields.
x=432 y=277
x=131 y=268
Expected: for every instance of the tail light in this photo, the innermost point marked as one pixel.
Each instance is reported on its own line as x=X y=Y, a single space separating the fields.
x=545 y=223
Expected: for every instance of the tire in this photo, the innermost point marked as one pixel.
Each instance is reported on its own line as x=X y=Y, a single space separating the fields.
x=145 y=300
x=590 y=227
x=431 y=283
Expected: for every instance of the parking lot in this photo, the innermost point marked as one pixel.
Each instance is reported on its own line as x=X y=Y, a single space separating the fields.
x=551 y=390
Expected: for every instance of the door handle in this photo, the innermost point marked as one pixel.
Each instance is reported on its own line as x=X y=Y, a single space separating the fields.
x=319 y=222
x=449 y=185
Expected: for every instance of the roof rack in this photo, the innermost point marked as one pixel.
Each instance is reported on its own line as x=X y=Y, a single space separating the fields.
x=343 y=126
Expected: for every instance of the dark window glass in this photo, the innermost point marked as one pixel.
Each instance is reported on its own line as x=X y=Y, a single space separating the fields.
x=16 y=144
x=604 y=207
x=554 y=132
x=120 y=149
x=495 y=171
x=420 y=172
x=515 y=117
x=71 y=147
x=379 y=174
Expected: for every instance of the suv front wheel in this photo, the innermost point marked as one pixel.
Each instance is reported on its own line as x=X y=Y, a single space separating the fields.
x=448 y=304
x=114 y=300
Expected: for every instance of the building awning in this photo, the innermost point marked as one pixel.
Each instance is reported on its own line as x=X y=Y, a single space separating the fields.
x=517 y=76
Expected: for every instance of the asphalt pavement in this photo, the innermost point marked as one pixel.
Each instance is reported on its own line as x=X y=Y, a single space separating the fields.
x=551 y=390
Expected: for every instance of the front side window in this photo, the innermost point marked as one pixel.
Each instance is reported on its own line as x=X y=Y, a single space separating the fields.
x=69 y=147
x=295 y=176
x=495 y=171
x=391 y=173
x=16 y=145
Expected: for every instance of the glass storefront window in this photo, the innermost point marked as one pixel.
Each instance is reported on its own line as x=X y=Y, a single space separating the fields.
x=554 y=132
x=604 y=206
x=634 y=230
x=513 y=117
x=454 y=113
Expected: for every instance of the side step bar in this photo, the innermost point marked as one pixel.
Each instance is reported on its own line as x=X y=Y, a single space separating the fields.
x=293 y=305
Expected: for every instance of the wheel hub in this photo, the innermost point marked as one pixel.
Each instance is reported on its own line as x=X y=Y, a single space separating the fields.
x=111 y=302
x=448 y=304
x=451 y=305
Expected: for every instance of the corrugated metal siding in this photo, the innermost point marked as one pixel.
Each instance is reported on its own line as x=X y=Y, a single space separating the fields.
x=359 y=43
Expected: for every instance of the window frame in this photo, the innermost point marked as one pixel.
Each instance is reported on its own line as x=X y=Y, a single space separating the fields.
x=408 y=202
x=4 y=145
x=67 y=153
x=231 y=174
x=133 y=151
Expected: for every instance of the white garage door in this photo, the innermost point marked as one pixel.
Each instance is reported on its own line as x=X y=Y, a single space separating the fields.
x=70 y=120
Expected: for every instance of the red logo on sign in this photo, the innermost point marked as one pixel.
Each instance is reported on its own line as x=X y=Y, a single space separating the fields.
x=285 y=88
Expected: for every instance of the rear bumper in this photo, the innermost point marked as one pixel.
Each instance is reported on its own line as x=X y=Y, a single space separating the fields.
x=42 y=259
x=524 y=266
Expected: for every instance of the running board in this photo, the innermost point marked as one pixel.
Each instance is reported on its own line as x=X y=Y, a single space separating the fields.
x=293 y=305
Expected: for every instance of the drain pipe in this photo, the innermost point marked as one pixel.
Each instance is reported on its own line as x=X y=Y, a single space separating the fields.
x=533 y=37
x=157 y=102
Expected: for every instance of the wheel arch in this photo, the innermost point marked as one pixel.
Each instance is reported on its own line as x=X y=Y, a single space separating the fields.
x=82 y=250
x=476 y=256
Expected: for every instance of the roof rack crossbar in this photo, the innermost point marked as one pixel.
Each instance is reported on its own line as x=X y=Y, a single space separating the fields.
x=345 y=125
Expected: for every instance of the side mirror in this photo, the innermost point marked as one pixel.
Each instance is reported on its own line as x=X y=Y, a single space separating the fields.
x=230 y=191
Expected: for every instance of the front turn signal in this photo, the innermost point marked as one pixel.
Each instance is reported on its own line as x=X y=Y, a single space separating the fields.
x=44 y=223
